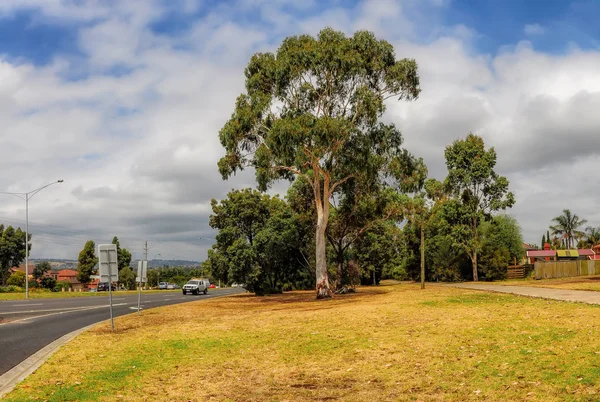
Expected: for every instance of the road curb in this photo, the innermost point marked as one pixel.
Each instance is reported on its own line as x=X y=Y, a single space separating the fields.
x=11 y=378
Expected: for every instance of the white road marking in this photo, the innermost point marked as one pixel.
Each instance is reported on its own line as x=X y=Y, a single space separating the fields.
x=58 y=309
x=25 y=305
x=60 y=312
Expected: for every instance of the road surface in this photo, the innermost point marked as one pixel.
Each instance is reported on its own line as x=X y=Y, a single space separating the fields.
x=34 y=323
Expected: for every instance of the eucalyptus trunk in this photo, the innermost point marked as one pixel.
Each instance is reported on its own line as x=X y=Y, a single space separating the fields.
x=323 y=290
x=323 y=208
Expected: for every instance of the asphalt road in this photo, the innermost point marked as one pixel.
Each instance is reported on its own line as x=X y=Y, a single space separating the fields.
x=34 y=323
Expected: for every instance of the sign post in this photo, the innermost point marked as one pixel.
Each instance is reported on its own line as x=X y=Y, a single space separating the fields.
x=109 y=271
x=142 y=277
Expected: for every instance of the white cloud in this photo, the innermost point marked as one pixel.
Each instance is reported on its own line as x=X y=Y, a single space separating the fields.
x=138 y=152
x=534 y=29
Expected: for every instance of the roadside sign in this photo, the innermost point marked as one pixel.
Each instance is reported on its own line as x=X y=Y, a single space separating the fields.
x=142 y=272
x=108 y=267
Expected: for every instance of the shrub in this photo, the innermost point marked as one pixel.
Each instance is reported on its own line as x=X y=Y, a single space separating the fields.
x=66 y=285
x=10 y=289
x=16 y=279
x=48 y=282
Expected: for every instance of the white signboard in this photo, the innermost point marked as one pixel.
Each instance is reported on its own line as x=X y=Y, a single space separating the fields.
x=107 y=263
x=142 y=272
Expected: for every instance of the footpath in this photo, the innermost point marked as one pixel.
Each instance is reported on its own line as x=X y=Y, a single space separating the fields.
x=577 y=296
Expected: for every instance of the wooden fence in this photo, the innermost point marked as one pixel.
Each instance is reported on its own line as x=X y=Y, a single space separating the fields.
x=561 y=269
x=515 y=272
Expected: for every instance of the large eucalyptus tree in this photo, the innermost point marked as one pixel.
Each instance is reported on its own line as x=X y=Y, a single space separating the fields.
x=313 y=109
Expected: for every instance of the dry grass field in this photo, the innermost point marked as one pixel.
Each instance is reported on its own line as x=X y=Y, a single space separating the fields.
x=386 y=343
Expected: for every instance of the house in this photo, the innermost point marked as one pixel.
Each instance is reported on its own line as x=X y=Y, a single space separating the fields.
x=561 y=255
x=541 y=255
x=527 y=247
x=70 y=275
x=586 y=254
x=22 y=269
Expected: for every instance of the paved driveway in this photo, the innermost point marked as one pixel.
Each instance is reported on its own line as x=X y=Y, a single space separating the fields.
x=580 y=296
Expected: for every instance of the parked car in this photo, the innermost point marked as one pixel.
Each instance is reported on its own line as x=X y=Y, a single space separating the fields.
x=162 y=285
x=195 y=286
x=103 y=287
x=212 y=286
x=170 y=286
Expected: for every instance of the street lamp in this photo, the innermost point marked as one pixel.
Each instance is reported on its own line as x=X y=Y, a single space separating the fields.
x=27 y=196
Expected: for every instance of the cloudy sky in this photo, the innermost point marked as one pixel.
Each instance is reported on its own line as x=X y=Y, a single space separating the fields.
x=124 y=100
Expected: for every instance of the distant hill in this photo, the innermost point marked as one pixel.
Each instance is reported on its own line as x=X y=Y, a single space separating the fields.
x=58 y=263
x=169 y=263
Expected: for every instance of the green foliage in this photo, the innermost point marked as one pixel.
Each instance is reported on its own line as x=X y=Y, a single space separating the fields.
x=11 y=289
x=566 y=227
x=258 y=242
x=66 y=285
x=123 y=255
x=47 y=282
x=592 y=237
x=543 y=241
x=379 y=253
x=127 y=278
x=478 y=191
x=502 y=243
x=12 y=250
x=17 y=278
x=153 y=277
x=87 y=261
x=178 y=275
x=40 y=269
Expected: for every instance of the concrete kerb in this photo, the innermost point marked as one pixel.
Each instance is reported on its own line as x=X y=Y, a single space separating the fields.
x=11 y=378
x=579 y=297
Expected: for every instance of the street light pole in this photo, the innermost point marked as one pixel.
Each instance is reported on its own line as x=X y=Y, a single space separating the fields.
x=27 y=196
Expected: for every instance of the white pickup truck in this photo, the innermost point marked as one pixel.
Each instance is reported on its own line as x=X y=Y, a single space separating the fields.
x=195 y=286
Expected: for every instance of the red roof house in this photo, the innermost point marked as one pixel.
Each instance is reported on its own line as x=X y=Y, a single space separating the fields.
x=68 y=275
x=22 y=269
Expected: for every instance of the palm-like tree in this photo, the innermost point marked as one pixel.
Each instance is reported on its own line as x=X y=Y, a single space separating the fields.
x=592 y=236
x=566 y=226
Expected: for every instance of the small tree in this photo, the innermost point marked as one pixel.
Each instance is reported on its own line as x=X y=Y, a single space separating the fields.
x=313 y=109
x=48 y=282
x=123 y=255
x=478 y=189
x=17 y=278
x=40 y=269
x=87 y=261
x=127 y=278
x=12 y=250
x=566 y=227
